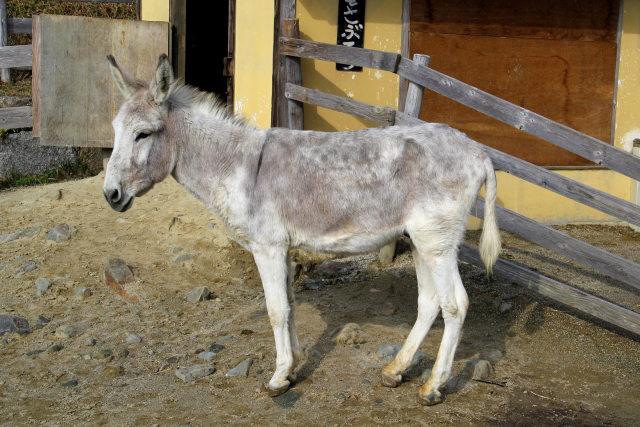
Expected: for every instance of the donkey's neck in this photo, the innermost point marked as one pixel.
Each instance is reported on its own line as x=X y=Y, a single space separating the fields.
x=209 y=152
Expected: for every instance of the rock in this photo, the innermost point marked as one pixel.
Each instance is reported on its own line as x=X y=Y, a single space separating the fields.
x=10 y=323
x=72 y=330
x=479 y=369
x=70 y=383
x=182 y=258
x=55 y=348
x=504 y=307
x=90 y=342
x=60 y=233
x=193 y=373
x=216 y=348
x=199 y=294
x=42 y=284
x=175 y=250
x=246 y=332
x=173 y=359
x=119 y=276
x=241 y=369
x=27 y=232
x=83 y=292
x=494 y=355
x=113 y=371
x=388 y=309
x=351 y=333
x=26 y=267
x=133 y=338
x=41 y=321
x=331 y=268
x=314 y=284
x=206 y=355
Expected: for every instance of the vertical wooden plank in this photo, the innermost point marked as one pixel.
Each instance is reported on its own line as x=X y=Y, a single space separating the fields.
x=412 y=106
x=35 y=75
x=293 y=74
x=178 y=37
x=231 y=45
x=5 y=73
x=285 y=9
x=404 y=51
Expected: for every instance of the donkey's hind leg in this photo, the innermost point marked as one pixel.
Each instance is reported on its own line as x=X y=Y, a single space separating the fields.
x=273 y=268
x=454 y=303
x=293 y=336
x=428 y=308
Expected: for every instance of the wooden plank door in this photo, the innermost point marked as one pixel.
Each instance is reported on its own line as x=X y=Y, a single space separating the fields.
x=74 y=97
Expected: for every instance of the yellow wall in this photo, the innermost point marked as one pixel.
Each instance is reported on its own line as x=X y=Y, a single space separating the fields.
x=318 y=22
x=154 y=10
x=254 y=61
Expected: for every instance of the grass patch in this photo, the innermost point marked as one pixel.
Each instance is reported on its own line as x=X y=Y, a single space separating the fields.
x=70 y=170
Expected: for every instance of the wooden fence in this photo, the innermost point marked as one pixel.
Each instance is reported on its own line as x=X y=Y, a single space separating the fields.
x=420 y=77
x=21 y=57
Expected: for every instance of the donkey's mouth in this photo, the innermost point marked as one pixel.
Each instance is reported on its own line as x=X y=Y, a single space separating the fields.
x=122 y=204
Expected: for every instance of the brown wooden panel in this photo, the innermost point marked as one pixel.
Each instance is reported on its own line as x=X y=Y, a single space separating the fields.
x=568 y=81
x=76 y=98
x=587 y=20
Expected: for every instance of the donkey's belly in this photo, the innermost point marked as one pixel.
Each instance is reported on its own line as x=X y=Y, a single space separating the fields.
x=353 y=243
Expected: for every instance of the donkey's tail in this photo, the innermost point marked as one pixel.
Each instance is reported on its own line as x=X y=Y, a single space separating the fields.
x=490 y=238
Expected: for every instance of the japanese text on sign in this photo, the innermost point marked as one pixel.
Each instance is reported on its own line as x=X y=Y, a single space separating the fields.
x=350 y=28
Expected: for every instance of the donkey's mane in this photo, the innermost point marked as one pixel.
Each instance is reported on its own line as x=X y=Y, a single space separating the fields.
x=204 y=103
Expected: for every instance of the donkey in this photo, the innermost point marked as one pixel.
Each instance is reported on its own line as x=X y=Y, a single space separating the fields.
x=340 y=192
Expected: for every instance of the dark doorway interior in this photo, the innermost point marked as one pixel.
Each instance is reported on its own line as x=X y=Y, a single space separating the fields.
x=206 y=45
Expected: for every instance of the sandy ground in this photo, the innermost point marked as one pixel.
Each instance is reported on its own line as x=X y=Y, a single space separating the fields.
x=558 y=367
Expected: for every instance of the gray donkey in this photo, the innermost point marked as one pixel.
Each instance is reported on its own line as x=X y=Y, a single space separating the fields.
x=342 y=192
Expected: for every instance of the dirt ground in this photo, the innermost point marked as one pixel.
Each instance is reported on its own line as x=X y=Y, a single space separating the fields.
x=558 y=367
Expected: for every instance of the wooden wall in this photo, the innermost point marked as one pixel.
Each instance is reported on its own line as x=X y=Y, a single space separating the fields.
x=554 y=57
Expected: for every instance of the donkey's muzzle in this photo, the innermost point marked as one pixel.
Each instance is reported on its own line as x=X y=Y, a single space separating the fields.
x=118 y=200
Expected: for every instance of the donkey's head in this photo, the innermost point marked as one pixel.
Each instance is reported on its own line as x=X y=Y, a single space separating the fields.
x=143 y=154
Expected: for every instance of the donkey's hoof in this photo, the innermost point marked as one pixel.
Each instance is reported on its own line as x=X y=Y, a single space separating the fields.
x=276 y=391
x=430 y=399
x=389 y=380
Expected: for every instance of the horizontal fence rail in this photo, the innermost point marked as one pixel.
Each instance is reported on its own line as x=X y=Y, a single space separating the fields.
x=19 y=25
x=16 y=118
x=16 y=56
x=571 y=140
x=563 y=293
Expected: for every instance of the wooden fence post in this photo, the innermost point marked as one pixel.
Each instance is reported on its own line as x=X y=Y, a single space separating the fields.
x=294 y=114
x=5 y=73
x=412 y=106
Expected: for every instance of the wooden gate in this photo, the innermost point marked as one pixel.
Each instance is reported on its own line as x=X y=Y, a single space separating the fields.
x=421 y=77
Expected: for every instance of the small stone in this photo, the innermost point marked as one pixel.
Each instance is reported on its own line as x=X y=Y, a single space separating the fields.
x=206 y=355
x=106 y=354
x=133 y=338
x=388 y=352
x=34 y=352
x=26 y=267
x=42 y=284
x=60 y=233
x=388 y=309
x=113 y=371
x=176 y=250
x=118 y=275
x=55 y=348
x=83 y=292
x=237 y=281
x=173 y=359
x=182 y=258
x=241 y=369
x=351 y=333
x=504 y=307
x=216 y=348
x=28 y=232
x=70 y=383
x=10 y=323
x=494 y=355
x=246 y=332
x=70 y=331
x=479 y=369
x=331 y=268
x=41 y=321
x=199 y=294
x=90 y=342
x=193 y=373
x=123 y=353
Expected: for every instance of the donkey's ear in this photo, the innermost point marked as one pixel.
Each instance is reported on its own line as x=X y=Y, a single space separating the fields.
x=126 y=83
x=161 y=84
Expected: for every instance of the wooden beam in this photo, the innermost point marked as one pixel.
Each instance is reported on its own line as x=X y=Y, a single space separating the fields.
x=384 y=115
x=15 y=118
x=369 y=58
x=16 y=56
x=5 y=73
x=563 y=136
x=605 y=262
x=19 y=25
x=294 y=114
x=552 y=181
x=564 y=294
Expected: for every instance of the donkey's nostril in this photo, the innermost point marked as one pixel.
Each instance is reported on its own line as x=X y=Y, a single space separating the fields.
x=112 y=196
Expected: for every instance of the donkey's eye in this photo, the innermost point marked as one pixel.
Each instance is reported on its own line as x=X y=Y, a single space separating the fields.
x=142 y=135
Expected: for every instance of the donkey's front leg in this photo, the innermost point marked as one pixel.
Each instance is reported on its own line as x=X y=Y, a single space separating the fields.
x=273 y=268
